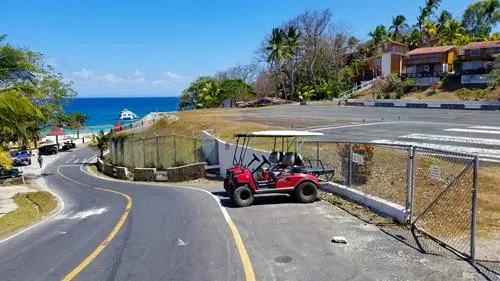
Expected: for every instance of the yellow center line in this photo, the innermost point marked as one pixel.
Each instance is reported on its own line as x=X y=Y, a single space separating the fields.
x=123 y=218
x=240 y=245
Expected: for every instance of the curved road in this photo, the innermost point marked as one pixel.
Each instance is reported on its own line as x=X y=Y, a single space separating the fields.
x=173 y=233
x=170 y=233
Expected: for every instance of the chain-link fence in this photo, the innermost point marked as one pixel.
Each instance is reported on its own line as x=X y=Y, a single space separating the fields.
x=159 y=152
x=437 y=188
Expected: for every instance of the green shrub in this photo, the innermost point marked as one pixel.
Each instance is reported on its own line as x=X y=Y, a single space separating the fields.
x=121 y=136
x=179 y=163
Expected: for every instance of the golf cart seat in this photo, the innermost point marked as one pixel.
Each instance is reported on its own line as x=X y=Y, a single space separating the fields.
x=288 y=159
x=319 y=170
x=275 y=157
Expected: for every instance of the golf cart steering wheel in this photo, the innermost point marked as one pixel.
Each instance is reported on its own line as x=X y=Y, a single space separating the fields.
x=255 y=158
x=265 y=161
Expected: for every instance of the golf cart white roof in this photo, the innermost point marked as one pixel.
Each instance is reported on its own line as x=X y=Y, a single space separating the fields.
x=280 y=133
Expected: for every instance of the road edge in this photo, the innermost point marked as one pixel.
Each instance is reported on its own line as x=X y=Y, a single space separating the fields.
x=60 y=206
x=245 y=258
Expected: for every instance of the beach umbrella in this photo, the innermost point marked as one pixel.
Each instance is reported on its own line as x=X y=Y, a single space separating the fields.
x=117 y=127
x=56 y=131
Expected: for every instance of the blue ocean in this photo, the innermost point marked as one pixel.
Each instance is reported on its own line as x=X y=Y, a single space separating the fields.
x=102 y=113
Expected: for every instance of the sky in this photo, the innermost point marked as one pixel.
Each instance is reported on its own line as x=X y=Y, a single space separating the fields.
x=122 y=48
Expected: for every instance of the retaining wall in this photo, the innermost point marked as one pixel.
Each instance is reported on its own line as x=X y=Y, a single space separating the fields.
x=187 y=172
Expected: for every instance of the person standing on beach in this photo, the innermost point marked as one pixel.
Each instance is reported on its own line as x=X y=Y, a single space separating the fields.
x=40 y=160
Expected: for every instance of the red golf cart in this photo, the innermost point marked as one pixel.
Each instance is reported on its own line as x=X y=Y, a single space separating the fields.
x=277 y=171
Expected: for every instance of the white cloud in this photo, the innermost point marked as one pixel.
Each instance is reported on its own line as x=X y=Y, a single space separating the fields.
x=138 y=73
x=83 y=73
x=170 y=78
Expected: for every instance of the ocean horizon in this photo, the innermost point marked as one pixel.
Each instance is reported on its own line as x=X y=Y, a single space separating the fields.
x=103 y=112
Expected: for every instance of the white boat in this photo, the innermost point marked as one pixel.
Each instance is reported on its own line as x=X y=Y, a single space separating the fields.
x=127 y=115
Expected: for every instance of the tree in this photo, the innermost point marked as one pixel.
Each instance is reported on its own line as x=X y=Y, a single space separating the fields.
x=100 y=143
x=379 y=35
x=414 y=39
x=443 y=18
x=431 y=6
x=481 y=17
x=74 y=121
x=429 y=30
x=398 y=24
x=451 y=32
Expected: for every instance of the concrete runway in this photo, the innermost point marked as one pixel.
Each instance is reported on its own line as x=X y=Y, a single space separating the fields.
x=461 y=131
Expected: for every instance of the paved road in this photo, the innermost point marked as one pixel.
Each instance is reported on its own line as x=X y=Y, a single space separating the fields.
x=170 y=234
x=471 y=132
x=174 y=233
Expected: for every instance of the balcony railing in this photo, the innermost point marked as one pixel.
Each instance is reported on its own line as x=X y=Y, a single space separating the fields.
x=424 y=74
x=475 y=71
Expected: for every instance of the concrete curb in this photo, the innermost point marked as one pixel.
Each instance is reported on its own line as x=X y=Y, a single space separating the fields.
x=378 y=205
x=438 y=104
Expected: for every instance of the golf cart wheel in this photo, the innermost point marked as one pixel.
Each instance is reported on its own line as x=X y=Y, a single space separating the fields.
x=306 y=192
x=242 y=196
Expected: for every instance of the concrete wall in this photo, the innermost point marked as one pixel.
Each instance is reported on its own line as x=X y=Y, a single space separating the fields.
x=474 y=79
x=121 y=173
x=107 y=169
x=99 y=164
x=210 y=148
x=386 y=65
x=144 y=174
x=187 y=172
x=426 y=81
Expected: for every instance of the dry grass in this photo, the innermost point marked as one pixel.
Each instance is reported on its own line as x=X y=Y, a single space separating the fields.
x=31 y=207
x=488 y=202
x=224 y=123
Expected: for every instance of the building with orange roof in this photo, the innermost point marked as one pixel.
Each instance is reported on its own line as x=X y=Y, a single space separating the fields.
x=477 y=59
x=387 y=61
x=429 y=64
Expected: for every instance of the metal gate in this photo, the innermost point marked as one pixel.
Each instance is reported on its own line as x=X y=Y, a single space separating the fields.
x=443 y=192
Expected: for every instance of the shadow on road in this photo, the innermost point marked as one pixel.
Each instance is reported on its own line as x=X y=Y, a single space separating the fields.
x=267 y=199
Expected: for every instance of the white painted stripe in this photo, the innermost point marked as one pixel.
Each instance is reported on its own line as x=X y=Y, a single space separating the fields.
x=486 y=127
x=352 y=125
x=473 y=131
x=67 y=162
x=452 y=139
x=76 y=161
x=481 y=152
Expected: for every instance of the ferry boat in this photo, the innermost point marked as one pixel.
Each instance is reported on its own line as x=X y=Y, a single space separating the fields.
x=127 y=115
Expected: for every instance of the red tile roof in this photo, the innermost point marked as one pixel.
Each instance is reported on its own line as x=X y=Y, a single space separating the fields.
x=481 y=45
x=430 y=50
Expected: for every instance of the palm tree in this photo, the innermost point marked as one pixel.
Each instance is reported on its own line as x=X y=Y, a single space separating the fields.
x=414 y=39
x=100 y=143
x=276 y=46
x=431 y=5
x=292 y=46
x=379 y=35
x=422 y=16
x=443 y=18
x=398 y=23
x=452 y=31
x=429 y=30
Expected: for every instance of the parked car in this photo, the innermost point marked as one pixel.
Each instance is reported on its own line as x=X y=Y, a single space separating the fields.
x=21 y=157
x=68 y=145
x=9 y=172
x=48 y=149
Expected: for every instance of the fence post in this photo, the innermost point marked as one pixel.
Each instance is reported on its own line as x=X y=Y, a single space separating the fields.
x=175 y=151
x=409 y=182
x=157 y=151
x=143 y=153
x=133 y=152
x=474 y=209
x=317 y=154
x=349 y=168
x=194 y=151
